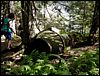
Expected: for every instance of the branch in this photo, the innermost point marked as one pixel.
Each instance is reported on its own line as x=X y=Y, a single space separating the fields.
x=35 y=15
x=49 y=13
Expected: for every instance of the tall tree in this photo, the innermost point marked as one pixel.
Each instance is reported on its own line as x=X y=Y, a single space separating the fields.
x=95 y=22
x=25 y=22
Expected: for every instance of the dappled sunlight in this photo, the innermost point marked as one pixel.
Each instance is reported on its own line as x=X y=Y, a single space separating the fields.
x=50 y=38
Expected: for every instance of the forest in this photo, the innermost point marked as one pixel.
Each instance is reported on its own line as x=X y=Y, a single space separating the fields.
x=52 y=38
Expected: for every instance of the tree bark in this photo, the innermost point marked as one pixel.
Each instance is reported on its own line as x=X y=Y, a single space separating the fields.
x=8 y=6
x=25 y=21
x=95 y=23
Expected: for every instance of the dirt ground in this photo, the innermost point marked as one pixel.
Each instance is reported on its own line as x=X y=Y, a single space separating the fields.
x=16 y=40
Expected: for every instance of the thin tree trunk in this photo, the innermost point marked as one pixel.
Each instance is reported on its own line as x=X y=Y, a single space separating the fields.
x=8 y=6
x=44 y=14
x=83 y=18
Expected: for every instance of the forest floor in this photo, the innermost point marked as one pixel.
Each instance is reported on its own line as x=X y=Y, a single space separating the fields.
x=12 y=58
x=5 y=53
x=17 y=41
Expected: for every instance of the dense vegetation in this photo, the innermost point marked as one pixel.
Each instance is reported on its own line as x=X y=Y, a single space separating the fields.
x=87 y=63
x=76 y=22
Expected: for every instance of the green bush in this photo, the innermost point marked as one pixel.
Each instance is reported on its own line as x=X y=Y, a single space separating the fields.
x=86 y=64
x=39 y=64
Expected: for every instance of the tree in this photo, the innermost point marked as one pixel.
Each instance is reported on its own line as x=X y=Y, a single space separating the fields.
x=95 y=23
x=81 y=13
x=25 y=22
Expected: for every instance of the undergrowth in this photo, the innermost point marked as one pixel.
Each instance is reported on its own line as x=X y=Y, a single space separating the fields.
x=40 y=64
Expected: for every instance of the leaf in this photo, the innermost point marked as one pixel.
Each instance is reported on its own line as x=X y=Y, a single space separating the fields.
x=94 y=71
x=40 y=61
x=83 y=73
x=50 y=66
x=25 y=68
x=38 y=67
x=68 y=48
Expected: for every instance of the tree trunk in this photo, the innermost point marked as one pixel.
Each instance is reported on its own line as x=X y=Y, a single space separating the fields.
x=25 y=21
x=8 y=6
x=95 y=23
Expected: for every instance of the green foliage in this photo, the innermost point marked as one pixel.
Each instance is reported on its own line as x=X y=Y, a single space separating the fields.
x=17 y=6
x=78 y=37
x=86 y=64
x=39 y=64
x=81 y=13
